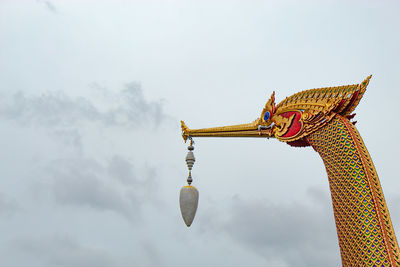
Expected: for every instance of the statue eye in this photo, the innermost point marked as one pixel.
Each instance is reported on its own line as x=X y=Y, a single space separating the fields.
x=266 y=116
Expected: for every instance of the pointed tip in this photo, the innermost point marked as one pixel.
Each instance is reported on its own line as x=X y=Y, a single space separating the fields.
x=365 y=83
x=184 y=131
x=183 y=124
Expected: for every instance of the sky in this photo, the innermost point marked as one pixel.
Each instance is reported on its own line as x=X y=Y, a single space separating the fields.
x=91 y=153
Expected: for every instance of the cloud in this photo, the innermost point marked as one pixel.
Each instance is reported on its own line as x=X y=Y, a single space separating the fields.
x=50 y=6
x=125 y=108
x=110 y=186
x=56 y=251
x=84 y=177
x=8 y=206
x=293 y=234
x=152 y=252
x=65 y=118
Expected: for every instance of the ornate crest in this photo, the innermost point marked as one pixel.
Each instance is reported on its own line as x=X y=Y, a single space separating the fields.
x=305 y=112
x=295 y=117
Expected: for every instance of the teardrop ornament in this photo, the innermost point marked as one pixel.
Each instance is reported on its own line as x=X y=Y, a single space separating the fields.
x=188 y=201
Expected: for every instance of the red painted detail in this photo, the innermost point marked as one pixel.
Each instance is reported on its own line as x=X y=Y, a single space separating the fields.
x=296 y=125
x=352 y=100
x=351 y=116
x=340 y=105
x=299 y=143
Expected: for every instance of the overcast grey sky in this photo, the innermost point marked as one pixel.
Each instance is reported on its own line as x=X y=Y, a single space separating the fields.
x=92 y=161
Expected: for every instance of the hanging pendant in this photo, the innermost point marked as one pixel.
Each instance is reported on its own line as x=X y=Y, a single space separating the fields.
x=189 y=195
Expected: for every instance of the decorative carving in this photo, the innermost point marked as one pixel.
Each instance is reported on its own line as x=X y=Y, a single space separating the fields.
x=366 y=236
x=321 y=118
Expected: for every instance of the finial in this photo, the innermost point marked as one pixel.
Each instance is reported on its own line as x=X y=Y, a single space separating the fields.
x=189 y=195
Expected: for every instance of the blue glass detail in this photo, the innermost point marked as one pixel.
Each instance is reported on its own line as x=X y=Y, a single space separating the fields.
x=266 y=116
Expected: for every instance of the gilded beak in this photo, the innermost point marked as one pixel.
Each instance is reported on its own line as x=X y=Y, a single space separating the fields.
x=254 y=129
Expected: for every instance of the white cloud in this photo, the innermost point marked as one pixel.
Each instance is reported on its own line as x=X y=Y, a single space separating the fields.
x=56 y=250
x=293 y=234
x=112 y=186
x=128 y=108
x=8 y=206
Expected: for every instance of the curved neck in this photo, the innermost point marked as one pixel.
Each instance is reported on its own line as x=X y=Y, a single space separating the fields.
x=365 y=231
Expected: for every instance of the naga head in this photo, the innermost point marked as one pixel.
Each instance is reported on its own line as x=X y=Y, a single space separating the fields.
x=294 y=118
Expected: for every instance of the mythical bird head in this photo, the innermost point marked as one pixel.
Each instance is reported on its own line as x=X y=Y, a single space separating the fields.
x=295 y=117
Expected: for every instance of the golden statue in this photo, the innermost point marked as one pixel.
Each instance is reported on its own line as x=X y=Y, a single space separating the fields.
x=321 y=118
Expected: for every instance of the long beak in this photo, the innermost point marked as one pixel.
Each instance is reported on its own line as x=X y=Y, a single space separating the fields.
x=241 y=130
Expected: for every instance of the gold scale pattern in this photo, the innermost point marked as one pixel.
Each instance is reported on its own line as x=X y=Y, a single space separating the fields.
x=365 y=232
